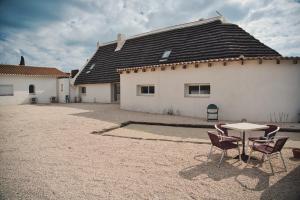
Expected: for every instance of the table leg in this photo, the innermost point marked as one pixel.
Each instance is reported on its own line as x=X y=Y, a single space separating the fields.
x=243 y=155
x=243 y=152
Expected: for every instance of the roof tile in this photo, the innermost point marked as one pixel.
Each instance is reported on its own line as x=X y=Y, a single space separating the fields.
x=213 y=40
x=31 y=71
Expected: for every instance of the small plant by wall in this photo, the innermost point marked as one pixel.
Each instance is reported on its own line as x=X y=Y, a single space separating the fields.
x=279 y=117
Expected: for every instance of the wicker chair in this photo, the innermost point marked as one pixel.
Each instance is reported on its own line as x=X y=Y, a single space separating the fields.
x=221 y=144
x=224 y=132
x=267 y=150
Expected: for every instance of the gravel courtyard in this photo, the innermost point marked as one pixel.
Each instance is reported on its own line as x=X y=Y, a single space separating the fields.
x=48 y=152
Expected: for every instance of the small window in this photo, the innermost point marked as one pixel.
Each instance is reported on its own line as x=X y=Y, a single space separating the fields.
x=88 y=72
x=6 y=90
x=145 y=90
x=31 y=89
x=165 y=56
x=92 y=66
x=83 y=90
x=195 y=90
x=61 y=87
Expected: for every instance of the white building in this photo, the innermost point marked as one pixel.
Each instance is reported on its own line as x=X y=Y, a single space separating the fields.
x=182 y=69
x=21 y=84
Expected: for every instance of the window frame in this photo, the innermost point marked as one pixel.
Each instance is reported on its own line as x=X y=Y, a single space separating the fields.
x=83 y=88
x=165 y=56
x=139 y=90
x=187 y=87
x=10 y=94
x=31 y=93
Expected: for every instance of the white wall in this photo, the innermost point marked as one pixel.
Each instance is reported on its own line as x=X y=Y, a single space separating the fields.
x=96 y=93
x=45 y=87
x=63 y=89
x=74 y=92
x=252 y=91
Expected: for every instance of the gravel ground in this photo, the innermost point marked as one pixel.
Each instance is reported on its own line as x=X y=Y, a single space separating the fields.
x=47 y=152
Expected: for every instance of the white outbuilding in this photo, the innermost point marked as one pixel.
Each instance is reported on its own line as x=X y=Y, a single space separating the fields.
x=20 y=84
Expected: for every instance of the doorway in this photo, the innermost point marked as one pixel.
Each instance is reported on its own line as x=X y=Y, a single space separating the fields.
x=115 y=92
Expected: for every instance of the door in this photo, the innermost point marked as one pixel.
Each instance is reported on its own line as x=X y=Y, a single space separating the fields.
x=116 y=92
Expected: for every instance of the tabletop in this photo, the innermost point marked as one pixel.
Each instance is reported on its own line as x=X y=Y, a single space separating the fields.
x=245 y=126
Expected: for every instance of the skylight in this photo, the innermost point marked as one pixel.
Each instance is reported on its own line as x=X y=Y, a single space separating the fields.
x=165 y=55
x=88 y=72
x=92 y=66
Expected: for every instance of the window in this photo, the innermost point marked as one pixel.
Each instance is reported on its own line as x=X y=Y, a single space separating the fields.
x=31 y=89
x=92 y=66
x=200 y=90
x=145 y=90
x=6 y=90
x=88 y=72
x=83 y=90
x=61 y=87
x=165 y=56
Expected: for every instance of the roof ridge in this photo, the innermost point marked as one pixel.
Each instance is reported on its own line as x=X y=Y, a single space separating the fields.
x=170 y=28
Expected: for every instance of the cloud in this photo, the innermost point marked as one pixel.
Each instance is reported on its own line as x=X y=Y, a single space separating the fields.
x=64 y=33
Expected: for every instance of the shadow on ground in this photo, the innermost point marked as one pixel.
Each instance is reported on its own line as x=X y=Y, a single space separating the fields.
x=227 y=170
x=282 y=190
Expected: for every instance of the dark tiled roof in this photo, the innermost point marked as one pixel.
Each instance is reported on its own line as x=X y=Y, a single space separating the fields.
x=199 y=42
x=31 y=71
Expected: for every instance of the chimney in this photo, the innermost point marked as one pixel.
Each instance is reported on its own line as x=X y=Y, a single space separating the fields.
x=120 y=41
x=22 y=61
x=74 y=72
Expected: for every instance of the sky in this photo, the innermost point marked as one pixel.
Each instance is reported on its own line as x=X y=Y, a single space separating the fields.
x=64 y=33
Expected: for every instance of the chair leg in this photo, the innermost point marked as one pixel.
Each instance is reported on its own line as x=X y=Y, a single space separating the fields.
x=248 y=143
x=263 y=158
x=238 y=148
x=209 y=154
x=283 y=161
x=269 y=159
x=221 y=158
x=249 y=157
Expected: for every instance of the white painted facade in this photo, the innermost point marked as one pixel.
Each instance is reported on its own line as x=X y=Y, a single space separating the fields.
x=63 y=88
x=96 y=93
x=45 y=87
x=257 y=92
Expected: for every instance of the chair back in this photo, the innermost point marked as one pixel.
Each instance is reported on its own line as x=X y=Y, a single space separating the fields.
x=221 y=130
x=212 y=107
x=271 y=131
x=279 y=144
x=214 y=139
